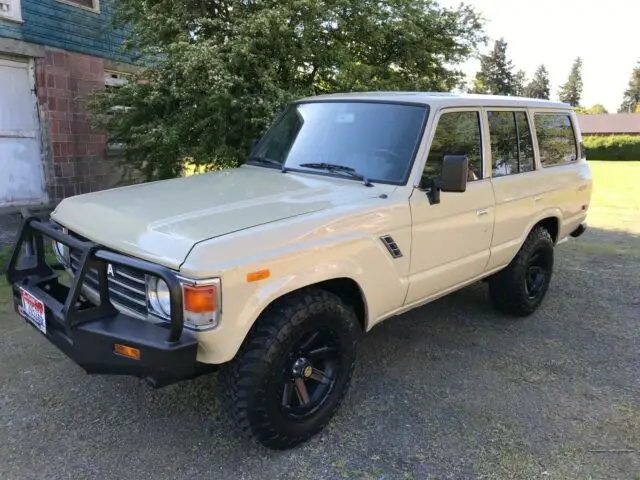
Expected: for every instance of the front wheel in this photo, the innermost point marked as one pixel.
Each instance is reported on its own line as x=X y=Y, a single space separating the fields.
x=520 y=288
x=294 y=369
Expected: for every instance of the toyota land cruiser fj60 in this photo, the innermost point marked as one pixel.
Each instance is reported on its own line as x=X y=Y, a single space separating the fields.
x=351 y=209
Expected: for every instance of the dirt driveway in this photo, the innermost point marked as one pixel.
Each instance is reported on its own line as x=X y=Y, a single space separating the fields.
x=451 y=390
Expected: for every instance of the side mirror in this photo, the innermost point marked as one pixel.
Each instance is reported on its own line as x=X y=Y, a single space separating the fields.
x=455 y=169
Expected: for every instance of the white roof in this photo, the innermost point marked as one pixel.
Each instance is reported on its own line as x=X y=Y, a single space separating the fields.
x=442 y=99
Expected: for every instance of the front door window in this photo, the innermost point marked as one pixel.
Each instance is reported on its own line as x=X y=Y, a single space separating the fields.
x=457 y=133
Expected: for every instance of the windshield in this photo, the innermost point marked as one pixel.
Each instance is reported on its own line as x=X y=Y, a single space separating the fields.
x=376 y=140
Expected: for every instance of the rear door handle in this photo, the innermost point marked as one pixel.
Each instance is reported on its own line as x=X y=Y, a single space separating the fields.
x=482 y=211
x=538 y=199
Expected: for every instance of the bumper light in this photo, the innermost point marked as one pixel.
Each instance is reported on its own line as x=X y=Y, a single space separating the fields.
x=126 y=351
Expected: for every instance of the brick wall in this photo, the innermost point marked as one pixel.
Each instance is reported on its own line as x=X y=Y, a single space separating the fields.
x=75 y=156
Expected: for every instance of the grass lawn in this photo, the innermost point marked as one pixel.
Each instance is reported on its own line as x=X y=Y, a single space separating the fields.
x=5 y=295
x=5 y=289
x=615 y=203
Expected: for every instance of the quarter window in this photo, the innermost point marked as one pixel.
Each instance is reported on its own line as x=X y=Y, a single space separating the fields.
x=457 y=133
x=511 y=144
x=556 y=139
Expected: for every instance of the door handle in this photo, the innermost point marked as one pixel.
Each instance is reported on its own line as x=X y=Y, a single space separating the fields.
x=538 y=199
x=482 y=211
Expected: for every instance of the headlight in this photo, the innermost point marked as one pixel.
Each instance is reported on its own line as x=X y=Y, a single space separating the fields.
x=201 y=301
x=159 y=297
x=61 y=252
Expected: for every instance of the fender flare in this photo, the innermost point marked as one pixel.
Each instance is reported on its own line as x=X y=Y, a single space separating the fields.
x=548 y=213
x=236 y=332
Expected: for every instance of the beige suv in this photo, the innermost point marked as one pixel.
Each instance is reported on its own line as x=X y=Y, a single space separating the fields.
x=350 y=210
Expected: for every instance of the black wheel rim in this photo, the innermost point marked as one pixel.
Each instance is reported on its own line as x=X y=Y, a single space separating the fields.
x=310 y=373
x=536 y=275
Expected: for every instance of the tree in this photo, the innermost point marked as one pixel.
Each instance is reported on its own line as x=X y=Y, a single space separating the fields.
x=571 y=92
x=496 y=72
x=520 y=83
x=221 y=69
x=539 y=86
x=631 y=96
x=596 y=109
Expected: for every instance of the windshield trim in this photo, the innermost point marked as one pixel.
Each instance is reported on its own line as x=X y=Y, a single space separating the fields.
x=403 y=182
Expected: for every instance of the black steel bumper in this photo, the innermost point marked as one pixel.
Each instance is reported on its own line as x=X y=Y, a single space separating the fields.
x=88 y=333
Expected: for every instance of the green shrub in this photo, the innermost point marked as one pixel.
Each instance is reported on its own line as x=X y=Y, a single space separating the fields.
x=613 y=147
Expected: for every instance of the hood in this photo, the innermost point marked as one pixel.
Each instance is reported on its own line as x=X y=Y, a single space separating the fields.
x=161 y=221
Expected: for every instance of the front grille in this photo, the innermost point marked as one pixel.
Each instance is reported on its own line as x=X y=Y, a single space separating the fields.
x=126 y=286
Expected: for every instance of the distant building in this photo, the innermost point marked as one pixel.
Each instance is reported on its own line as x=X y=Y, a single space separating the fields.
x=53 y=53
x=610 y=124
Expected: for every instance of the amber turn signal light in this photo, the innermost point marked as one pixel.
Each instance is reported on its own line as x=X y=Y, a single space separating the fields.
x=200 y=299
x=126 y=351
x=259 y=275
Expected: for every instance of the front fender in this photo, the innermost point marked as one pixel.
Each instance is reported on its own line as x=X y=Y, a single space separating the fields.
x=337 y=243
x=362 y=260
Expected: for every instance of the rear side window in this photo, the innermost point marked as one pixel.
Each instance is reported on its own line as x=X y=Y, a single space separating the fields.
x=556 y=139
x=511 y=144
x=457 y=133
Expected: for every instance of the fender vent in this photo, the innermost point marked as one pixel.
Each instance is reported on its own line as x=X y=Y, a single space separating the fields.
x=392 y=246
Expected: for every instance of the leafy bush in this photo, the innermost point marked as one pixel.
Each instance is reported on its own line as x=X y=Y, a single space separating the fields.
x=223 y=69
x=613 y=147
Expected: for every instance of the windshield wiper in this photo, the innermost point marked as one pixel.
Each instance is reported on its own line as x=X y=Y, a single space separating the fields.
x=334 y=167
x=267 y=161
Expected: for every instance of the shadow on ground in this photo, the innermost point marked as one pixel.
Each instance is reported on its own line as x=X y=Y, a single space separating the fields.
x=450 y=390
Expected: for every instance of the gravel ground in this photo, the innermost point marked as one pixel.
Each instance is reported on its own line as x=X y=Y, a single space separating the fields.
x=450 y=390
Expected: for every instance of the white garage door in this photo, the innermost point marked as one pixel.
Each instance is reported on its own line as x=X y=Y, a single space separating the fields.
x=21 y=172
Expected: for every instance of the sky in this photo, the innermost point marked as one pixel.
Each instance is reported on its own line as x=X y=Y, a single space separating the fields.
x=605 y=34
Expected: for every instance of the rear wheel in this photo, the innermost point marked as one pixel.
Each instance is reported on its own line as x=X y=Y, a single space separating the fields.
x=520 y=288
x=294 y=370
